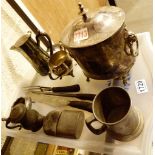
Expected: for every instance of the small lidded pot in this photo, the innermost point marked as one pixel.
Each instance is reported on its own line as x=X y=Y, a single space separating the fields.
x=66 y=123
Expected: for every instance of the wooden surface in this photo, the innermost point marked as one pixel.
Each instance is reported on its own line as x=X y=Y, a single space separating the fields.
x=54 y=15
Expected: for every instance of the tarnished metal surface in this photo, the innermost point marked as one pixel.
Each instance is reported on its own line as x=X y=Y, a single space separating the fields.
x=106 y=60
x=101 y=44
x=113 y=108
x=100 y=25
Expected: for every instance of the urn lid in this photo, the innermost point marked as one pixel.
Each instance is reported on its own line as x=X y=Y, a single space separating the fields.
x=92 y=28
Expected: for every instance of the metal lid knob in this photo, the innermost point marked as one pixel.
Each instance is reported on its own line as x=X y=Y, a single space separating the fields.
x=93 y=28
x=83 y=12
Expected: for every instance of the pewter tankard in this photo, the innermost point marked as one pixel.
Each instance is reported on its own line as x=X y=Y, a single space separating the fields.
x=112 y=107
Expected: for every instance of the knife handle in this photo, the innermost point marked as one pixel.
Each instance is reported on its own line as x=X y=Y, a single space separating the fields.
x=72 y=88
x=84 y=105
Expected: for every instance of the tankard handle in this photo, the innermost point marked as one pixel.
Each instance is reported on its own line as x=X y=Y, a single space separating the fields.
x=40 y=34
x=130 y=39
x=89 y=122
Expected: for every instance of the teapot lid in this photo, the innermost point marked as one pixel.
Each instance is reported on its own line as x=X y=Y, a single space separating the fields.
x=93 y=28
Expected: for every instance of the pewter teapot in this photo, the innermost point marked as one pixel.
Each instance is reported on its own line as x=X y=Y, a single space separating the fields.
x=101 y=44
x=23 y=116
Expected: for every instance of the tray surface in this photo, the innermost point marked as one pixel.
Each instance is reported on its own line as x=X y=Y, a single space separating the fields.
x=142 y=145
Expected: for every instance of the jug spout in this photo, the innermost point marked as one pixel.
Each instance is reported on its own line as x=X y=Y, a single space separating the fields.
x=13 y=47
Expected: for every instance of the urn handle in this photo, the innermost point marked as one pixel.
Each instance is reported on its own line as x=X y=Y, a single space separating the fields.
x=130 y=39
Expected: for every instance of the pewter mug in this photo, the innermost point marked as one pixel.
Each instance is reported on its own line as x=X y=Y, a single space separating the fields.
x=112 y=108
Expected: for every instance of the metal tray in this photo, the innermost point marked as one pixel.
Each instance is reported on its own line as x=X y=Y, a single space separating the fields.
x=142 y=145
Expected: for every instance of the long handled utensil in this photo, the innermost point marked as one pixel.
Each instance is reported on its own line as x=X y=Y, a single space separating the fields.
x=71 y=88
x=82 y=96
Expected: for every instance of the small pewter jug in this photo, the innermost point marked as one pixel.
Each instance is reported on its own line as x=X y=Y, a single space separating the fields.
x=112 y=108
x=33 y=52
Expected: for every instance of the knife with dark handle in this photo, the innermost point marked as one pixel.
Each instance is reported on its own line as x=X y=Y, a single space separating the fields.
x=84 y=105
x=82 y=96
x=72 y=88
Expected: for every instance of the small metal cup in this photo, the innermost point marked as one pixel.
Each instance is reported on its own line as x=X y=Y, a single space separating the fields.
x=60 y=64
x=113 y=109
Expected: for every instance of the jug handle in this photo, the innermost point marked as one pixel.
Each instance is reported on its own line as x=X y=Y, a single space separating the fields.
x=40 y=34
x=89 y=122
x=129 y=40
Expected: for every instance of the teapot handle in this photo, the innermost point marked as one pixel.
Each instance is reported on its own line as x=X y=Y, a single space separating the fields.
x=40 y=34
x=130 y=38
x=11 y=127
